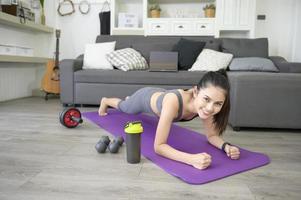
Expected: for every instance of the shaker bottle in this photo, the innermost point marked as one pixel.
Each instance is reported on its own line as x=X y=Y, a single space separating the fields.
x=133 y=132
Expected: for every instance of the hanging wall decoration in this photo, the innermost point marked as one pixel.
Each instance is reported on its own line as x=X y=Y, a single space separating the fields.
x=84 y=7
x=68 y=2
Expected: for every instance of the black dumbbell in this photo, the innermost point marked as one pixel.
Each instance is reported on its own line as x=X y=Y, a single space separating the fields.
x=120 y=140
x=114 y=146
x=102 y=144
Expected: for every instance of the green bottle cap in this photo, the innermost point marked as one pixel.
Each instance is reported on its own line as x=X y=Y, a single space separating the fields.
x=134 y=127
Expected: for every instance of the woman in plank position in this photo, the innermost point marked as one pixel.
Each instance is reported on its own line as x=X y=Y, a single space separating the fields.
x=209 y=100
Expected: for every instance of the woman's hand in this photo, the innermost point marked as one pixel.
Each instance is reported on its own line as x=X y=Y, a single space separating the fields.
x=200 y=160
x=232 y=152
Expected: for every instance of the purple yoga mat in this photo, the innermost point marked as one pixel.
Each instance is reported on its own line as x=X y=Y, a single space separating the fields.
x=182 y=139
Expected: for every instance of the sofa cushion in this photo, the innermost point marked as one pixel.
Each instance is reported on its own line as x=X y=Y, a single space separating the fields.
x=121 y=41
x=124 y=41
x=246 y=47
x=284 y=66
x=188 y=52
x=210 y=60
x=211 y=43
x=146 y=49
x=252 y=64
x=137 y=77
x=95 y=55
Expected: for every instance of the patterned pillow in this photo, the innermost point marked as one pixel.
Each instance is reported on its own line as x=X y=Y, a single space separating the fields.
x=127 y=59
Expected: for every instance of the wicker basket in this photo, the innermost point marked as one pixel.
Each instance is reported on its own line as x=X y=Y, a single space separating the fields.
x=210 y=13
x=155 y=14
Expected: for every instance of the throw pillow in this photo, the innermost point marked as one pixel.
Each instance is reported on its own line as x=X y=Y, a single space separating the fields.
x=188 y=51
x=127 y=59
x=211 y=43
x=95 y=55
x=245 y=47
x=210 y=60
x=252 y=64
x=145 y=49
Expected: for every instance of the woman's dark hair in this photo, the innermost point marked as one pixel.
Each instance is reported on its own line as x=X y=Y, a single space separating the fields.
x=218 y=79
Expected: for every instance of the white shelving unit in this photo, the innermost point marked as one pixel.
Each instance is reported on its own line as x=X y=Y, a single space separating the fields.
x=13 y=21
x=23 y=59
x=20 y=76
x=180 y=26
x=177 y=17
x=10 y=20
x=127 y=6
x=180 y=17
x=236 y=16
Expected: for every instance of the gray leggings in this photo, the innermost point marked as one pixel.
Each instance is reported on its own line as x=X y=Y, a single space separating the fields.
x=139 y=102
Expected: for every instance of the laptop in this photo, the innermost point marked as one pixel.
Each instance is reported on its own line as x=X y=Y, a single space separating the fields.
x=163 y=61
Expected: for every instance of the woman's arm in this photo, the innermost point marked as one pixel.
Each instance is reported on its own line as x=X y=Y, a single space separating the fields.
x=214 y=139
x=169 y=112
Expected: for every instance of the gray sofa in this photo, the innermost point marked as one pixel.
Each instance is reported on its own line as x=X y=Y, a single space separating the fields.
x=258 y=99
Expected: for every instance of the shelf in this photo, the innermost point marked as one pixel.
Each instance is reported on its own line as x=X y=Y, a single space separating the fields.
x=131 y=29
x=13 y=21
x=180 y=1
x=127 y=31
x=182 y=18
x=23 y=59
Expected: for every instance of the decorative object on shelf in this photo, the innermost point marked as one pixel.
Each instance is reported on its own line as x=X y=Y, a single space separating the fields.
x=209 y=10
x=19 y=9
x=9 y=2
x=35 y=4
x=43 y=18
x=15 y=50
x=155 y=11
x=66 y=13
x=84 y=7
x=22 y=16
x=9 y=7
x=127 y=20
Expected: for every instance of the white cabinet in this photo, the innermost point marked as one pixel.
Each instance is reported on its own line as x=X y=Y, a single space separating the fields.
x=157 y=27
x=184 y=26
x=237 y=15
x=180 y=18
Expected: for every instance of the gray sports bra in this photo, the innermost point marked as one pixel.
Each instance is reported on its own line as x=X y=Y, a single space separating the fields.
x=160 y=100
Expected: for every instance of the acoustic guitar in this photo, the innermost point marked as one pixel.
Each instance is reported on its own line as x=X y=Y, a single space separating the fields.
x=51 y=78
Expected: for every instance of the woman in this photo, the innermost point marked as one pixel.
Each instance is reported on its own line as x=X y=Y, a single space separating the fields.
x=209 y=100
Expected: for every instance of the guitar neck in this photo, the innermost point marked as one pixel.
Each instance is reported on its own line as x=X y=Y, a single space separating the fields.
x=57 y=45
x=57 y=53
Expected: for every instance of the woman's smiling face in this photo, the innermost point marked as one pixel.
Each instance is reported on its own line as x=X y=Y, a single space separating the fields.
x=208 y=101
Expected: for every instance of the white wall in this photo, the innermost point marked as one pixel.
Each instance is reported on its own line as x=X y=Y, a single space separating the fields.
x=296 y=52
x=78 y=29
x=281 y=26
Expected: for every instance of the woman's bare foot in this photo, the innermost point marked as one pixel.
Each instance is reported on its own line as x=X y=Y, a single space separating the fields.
x=102 y=111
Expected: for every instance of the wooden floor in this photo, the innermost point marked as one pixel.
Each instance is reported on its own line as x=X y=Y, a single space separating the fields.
x=40 y=159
